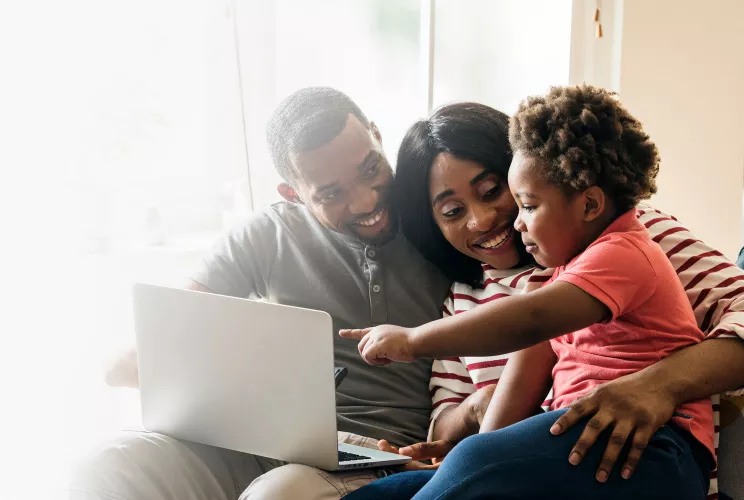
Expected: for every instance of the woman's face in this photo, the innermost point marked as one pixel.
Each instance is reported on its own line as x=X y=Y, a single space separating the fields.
x=474 y=210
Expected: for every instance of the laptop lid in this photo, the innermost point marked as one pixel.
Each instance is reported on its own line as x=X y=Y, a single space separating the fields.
x=239 y=374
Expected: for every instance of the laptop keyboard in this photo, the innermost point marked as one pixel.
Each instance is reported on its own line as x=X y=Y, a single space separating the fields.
x=344 y=456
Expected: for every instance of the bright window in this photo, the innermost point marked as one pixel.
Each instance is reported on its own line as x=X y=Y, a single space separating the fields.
x=165 y=104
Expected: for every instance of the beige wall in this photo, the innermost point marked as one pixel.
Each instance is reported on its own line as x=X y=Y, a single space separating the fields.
x=679 y=67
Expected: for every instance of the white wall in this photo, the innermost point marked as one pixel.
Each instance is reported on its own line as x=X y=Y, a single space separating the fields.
x=679 y=67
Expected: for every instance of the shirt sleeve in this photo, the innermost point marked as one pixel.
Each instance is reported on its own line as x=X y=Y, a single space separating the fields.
x=239 y=264
x=714 y=285
x=450 y=381
x=614 y=271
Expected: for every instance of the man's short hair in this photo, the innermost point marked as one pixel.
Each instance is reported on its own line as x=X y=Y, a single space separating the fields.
x=306 y=120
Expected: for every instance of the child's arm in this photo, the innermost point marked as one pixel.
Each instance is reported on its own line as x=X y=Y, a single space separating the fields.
x=519 y=321
x=522 y=387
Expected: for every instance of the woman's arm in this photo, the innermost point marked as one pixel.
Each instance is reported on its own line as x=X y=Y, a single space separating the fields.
x=522 y=388
x=457 y=422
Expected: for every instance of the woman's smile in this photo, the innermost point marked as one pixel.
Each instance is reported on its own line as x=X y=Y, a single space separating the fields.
x=496 y=241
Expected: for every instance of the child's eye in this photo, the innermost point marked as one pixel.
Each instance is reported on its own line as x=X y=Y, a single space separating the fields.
x=528 y=208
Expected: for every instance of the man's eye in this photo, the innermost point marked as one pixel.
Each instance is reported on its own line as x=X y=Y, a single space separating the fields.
x=371 y=171
x=330 y=196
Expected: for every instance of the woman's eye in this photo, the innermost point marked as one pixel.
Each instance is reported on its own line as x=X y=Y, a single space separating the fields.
x=489 y=189
x=492 y=192
x=449 y=211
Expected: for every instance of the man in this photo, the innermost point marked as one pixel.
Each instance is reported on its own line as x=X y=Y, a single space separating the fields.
x=334 y=246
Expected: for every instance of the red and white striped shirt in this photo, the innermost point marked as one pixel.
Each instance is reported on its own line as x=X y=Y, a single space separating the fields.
x=714 y=286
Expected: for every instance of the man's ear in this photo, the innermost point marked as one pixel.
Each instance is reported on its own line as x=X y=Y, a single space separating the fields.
x=289 y=193
x=375 y=132
x=595 y=203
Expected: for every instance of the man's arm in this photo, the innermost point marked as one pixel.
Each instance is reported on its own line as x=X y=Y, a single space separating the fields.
x=123 y=370
x=640 y=403
x=239 y=264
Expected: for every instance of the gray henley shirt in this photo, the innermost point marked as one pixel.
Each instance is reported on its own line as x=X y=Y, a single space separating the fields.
x=282 y=254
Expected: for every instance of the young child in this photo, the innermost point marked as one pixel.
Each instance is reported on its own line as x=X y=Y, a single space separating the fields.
x=613 y=306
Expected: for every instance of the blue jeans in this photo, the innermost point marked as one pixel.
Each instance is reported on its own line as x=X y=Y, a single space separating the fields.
x=525 y=461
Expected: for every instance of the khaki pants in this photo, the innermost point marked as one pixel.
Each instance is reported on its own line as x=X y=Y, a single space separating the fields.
x=147 y=466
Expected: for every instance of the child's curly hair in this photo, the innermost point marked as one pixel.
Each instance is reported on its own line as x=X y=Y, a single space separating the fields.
x=587 y=138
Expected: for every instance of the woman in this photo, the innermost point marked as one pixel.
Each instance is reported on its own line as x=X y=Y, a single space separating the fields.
x=455 y=208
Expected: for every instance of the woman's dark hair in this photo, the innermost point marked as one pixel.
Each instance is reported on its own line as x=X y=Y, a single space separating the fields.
x=469 y=131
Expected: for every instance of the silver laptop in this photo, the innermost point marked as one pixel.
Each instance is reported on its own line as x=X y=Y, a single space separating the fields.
x=244 y=375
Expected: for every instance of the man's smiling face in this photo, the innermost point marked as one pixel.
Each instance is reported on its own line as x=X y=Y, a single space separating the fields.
x=346 y=184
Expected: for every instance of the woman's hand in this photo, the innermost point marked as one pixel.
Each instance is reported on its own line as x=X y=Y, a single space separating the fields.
x=628 y=406
x=383 y=344
x=434 y=451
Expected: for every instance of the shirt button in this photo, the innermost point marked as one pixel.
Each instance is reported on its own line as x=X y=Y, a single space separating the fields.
x=376 y=288
x=371 y=254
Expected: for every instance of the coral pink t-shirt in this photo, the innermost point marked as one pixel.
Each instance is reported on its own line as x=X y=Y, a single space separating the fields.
x=651 y=318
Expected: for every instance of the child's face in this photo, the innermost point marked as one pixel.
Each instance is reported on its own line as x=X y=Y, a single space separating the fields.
x=551 y=222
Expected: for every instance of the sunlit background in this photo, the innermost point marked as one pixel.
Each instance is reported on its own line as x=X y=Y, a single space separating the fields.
x=132 y=135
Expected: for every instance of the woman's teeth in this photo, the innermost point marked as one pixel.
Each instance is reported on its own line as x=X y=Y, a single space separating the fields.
x=496 y=241
x=371 y=221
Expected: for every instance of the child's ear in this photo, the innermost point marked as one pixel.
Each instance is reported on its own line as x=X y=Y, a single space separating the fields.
x=595 y=203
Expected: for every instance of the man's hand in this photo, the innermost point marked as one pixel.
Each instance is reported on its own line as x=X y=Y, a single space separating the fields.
x=628 y=406
x=434 y=451
x=383 y=344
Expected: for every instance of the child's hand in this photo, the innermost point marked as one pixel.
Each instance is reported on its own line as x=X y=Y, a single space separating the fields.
x=383 y=344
